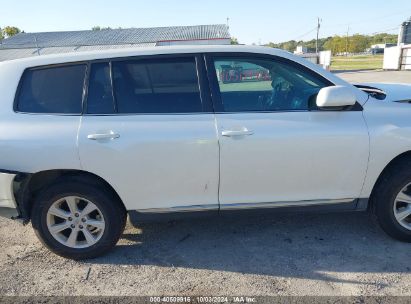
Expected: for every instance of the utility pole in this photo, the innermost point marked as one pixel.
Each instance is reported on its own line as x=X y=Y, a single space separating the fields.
x=37 y=46
x=318 y=33
x=346 y=42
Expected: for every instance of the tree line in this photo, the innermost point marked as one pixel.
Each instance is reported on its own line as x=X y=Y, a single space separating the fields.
x=339 y=44
x=8 y=31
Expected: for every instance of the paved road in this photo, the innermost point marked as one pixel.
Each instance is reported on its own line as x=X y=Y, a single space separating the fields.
x=282 y=254
x=377 y=76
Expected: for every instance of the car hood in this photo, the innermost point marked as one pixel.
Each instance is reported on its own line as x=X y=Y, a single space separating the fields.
x=397 y=92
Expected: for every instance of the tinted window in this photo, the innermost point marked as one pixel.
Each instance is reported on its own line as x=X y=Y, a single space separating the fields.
x=160 y=86
x=100 y=94
x=264 y=85
x=52 y=90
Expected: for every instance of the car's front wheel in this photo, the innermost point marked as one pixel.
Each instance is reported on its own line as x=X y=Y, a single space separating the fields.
x=78 y=220
x=392 y=201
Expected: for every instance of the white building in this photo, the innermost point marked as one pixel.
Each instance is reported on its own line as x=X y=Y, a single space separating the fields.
x=301 y=49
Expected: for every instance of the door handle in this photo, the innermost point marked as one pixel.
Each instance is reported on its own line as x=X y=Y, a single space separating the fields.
x=103 y=136
x=231 y=133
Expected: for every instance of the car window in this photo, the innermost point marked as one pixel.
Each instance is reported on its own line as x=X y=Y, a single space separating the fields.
x=100 y=94
x=248 y=84
x=52 y=90
x=160 y=86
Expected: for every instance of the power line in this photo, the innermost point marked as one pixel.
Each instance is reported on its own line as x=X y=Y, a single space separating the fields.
x=320 y=21
x=318 y=33
x=343 y=33
x=347 y=41
x=403 y=12
x=305 y=34
x=387 y=30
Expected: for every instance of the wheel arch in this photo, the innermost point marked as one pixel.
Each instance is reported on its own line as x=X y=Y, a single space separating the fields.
x=29 y=186
x=399 y=158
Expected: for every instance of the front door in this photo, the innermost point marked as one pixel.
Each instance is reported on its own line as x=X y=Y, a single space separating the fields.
x=276 y=146
x=153 y=137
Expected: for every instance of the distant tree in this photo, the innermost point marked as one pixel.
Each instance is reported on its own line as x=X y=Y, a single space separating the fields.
x=9 y=31
x=1 y=34
x=288 y=46
x=358 y=43
x=234 y=40
x=384 y=38
x=330 y=45
x=99 y=28
x=338 y=44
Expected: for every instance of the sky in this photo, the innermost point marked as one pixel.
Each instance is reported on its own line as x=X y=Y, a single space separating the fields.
x=250 y=21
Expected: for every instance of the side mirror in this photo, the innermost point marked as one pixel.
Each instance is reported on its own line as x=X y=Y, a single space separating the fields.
x=336 y=96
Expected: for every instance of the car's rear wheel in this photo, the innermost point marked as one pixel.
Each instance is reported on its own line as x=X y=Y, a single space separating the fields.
x=78 y=220
x=392 y=201
x=402 y=207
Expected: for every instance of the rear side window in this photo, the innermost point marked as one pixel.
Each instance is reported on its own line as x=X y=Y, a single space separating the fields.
x=57 y=90
x=100 y=94
x=160 y=86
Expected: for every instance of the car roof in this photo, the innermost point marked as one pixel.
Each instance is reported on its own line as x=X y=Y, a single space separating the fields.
x=140 y=51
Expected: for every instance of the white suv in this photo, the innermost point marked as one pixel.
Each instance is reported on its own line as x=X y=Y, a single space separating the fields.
x=86 y=138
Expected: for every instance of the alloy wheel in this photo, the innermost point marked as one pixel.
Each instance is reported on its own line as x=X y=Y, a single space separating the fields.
x=402 y=207
x=75 y=222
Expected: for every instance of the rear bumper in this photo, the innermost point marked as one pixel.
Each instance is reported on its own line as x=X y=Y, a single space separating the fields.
x=8 y=206
x=10 y=213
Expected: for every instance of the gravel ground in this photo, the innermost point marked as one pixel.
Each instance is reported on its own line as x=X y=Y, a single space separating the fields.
x=280 y=254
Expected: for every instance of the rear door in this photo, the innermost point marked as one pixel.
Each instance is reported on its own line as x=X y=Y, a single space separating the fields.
x=276 y=146
x=153 y=136
x=45 y=121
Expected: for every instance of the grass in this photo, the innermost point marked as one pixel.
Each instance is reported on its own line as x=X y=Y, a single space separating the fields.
x=360 y=62
x=246 y=86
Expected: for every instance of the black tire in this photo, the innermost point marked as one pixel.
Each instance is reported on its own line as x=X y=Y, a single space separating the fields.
x=115 y=217
x=393 y=180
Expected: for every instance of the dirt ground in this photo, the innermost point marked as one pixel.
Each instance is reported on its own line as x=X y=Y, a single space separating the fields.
x=343 y=254
x=281 y=254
